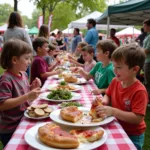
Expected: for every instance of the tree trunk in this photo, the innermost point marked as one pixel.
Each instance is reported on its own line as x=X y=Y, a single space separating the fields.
x=15 y=5
x=43 y=12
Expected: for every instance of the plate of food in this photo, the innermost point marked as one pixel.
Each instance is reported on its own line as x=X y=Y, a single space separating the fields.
x=79 y=117
x=74 y=80
x=38 y=112
x=65 y=137
x=64 y=85
x=60 y=95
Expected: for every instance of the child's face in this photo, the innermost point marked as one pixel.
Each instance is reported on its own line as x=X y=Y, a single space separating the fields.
x=50 y=52
x=44 y=49
x=122 y=71
x=87 y=56
x=22 y=63
x=78 y=49
x=100 y=55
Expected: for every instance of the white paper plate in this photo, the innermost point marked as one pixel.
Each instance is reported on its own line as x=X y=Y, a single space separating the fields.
x=31 y=137
x=75 y=96
x=77 y=87
x=84 y=122
x=37 y=118
x=79 y=82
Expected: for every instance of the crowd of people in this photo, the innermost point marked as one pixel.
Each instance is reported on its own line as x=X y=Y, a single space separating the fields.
x=112 y=67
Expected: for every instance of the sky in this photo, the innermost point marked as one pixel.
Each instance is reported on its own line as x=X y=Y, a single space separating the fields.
x=27 y=7
x=24 y=6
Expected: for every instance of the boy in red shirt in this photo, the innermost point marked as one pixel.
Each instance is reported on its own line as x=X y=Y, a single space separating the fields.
x=127 y=95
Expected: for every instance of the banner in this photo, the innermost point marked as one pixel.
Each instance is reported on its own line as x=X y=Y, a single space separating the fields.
x=50 y=22
x=40 y=21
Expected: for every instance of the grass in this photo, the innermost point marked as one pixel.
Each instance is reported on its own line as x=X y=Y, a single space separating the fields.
x=147 y=133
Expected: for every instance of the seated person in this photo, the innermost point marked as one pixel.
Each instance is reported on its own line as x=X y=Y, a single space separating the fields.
x=102 y=73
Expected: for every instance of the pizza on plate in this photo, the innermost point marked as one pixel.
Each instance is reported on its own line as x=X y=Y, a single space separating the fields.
x=71 y=113
x=52 y=135
x=88 y=135
x=93 y=113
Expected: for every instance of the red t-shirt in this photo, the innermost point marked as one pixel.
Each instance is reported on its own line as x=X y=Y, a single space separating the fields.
x=131 y=99
x=38 y=67
x=116 y=40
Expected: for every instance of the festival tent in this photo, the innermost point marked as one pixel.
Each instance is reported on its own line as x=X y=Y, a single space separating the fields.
x=3 y=28
x=68 y=31
x=130 y=31
x=33 y=30
x=81 y=23
x=54 y=31
x=132 y=12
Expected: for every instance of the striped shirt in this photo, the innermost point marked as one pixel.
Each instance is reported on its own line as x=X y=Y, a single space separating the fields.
x=12 y=86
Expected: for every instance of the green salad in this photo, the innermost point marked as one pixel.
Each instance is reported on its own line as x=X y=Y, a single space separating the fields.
x=63 y=83
x=60 y=94
x=66 y=104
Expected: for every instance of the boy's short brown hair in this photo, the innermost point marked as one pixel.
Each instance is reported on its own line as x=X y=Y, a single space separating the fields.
x=13 y=47
x=82 y=44
x=107 y=45
x=131 y=54
x=88 y=49
x=51 y=47
x=39 y=42
x=147 y=22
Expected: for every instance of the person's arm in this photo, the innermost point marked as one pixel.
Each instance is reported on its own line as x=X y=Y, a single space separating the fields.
x=98 y=91
x=88 y=37
x=138 y=108
x=76 y=63
x=147 y=46
x=27 y=39
x=53 y=66
x=47 y=74
x=14 y=102
x=84 y=74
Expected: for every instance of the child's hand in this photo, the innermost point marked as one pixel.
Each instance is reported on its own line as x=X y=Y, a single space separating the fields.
x=36 y=83
x=34 y=94
x=77 y=69
x=59 y=71
x=96 y=92
x=70 y=57
x=104 y=111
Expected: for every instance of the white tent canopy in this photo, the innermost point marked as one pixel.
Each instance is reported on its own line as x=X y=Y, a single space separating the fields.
x=81 y=23
x=54 y=31
x=3 y=28
x=68 y=31
x=128 y=31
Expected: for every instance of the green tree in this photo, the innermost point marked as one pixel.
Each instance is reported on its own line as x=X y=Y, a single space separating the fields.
x=4 y=13
x=78 y=5
x=60 y=20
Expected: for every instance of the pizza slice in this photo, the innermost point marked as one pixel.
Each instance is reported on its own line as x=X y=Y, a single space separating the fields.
x=52 y=135
x=87 y=135
x=71 y=113
x=92 y=113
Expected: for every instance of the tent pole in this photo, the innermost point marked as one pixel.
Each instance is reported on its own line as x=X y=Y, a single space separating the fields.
x=108 y=23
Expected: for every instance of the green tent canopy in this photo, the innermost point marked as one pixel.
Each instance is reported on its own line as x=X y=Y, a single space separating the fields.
x=132 y=12
x=33 y=30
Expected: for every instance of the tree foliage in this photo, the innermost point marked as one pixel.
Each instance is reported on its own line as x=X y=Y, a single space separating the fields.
x=80 y=6
x=4 y=13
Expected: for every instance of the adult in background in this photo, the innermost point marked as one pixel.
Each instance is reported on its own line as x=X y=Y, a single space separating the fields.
x=113 y=37
x=60 y=40
x=16 y=30
x=76 y=39
x=141 y=37
x=52 y=38
x=44 y=31
x=146 y=46
x=91 y=36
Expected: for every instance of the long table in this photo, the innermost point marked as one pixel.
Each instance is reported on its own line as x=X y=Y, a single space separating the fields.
x=117 y=138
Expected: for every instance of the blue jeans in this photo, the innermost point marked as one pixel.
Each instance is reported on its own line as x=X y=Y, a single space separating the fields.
x=5 y=138
x=138 y=141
